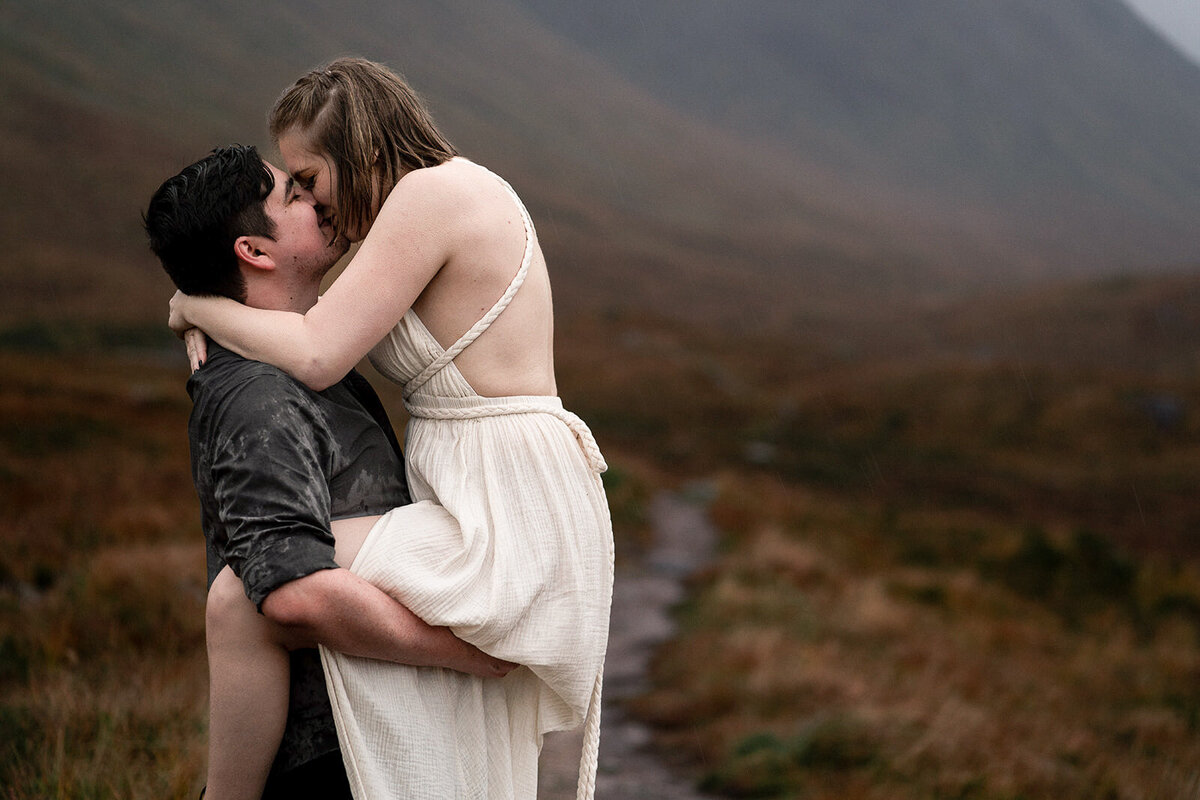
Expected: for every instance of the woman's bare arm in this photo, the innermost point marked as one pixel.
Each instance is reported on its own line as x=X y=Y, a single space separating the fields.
x=409 y=242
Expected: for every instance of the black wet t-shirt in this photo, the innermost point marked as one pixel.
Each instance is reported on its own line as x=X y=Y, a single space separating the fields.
x=274 y=462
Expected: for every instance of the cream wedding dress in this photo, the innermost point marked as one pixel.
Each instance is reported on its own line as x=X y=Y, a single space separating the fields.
x=509 y=543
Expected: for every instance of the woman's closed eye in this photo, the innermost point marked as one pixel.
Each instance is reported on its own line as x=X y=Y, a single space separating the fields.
x=301 y=189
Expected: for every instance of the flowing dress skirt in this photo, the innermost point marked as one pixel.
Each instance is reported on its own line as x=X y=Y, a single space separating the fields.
x=509 y=543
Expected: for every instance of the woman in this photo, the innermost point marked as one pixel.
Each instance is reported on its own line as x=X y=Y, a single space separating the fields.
x=510 y=543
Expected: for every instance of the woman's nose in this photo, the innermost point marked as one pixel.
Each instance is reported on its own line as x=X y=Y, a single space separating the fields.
x=306 y=195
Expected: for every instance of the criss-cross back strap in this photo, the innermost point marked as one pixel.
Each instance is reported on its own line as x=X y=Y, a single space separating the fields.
x=439 y=363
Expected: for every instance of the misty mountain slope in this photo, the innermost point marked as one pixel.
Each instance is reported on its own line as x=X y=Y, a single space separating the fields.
x=730 y=177
x=1071 y=118
x=103 y=103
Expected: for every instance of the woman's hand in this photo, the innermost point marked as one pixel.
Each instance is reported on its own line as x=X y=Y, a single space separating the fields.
x=177 y=319
x=197 y=347
x=193 y=337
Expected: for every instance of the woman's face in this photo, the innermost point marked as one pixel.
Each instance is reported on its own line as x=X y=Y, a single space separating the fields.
x=314 y=174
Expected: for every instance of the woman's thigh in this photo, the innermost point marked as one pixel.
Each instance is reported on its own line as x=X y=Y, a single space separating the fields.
x=349 y=535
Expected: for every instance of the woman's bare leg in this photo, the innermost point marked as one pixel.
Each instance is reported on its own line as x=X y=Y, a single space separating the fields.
x=249 y=679
x=249 y=674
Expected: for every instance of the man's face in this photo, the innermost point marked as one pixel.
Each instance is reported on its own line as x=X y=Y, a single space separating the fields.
x=302 y=243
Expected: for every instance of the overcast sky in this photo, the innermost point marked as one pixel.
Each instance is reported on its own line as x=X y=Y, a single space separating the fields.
x=1178 y=20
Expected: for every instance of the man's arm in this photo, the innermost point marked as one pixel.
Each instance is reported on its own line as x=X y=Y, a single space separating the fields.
x=340 y=610
x=268 y=477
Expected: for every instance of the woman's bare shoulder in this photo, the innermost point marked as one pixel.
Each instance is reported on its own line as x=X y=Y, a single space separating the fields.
x=457 y=174
x=456 y=186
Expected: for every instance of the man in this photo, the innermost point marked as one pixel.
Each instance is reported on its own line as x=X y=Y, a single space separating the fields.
x=274 y=462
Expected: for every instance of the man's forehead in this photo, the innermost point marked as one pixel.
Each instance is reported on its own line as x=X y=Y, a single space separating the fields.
x=283 y=183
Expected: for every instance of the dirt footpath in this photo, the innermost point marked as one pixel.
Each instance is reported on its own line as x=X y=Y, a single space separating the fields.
x=643 y=595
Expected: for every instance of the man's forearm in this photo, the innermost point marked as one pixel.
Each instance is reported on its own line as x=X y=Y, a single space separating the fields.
x=343 y=612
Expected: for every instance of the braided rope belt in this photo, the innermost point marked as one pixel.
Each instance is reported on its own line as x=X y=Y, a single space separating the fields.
x=578 y=427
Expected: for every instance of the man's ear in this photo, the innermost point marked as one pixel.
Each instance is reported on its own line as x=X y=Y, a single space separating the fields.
x=249 y=250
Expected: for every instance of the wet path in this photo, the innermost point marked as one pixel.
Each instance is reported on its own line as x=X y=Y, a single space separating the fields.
x=643 y=595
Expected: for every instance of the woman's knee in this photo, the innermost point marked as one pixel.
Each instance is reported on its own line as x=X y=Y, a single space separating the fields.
x=227 y=605
x=231 y=619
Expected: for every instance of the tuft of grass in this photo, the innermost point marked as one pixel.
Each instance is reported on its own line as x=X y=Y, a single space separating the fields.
x=1080 y=578
x=628 y=495
x=765 y=764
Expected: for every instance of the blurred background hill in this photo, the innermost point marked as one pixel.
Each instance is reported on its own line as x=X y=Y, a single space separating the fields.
x=757 y=163
x=903 y=294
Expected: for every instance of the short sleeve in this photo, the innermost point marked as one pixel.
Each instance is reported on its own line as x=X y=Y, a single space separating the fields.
x=268 y=463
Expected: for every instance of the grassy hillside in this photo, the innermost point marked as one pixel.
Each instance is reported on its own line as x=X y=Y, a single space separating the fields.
x=950 y=576
x=953 y=574
x=102 y=675
x=851 y=648
x=960 y=554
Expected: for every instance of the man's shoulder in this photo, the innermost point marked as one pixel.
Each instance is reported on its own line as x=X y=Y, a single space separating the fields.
x=222 y=365
x=229 y=381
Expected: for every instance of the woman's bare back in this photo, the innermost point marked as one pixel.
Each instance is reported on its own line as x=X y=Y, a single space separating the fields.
x=515 y=356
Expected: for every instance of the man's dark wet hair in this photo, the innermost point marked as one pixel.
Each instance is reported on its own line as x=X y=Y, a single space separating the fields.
x=195 y=217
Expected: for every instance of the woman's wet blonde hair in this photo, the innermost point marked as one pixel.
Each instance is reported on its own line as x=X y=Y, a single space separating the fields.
x=369 y=123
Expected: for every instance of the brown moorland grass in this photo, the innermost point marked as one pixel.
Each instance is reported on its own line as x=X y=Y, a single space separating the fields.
x=947 y=580
x=102 y=674
x=103 y=678
x=953 y=579
x=821 y=657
